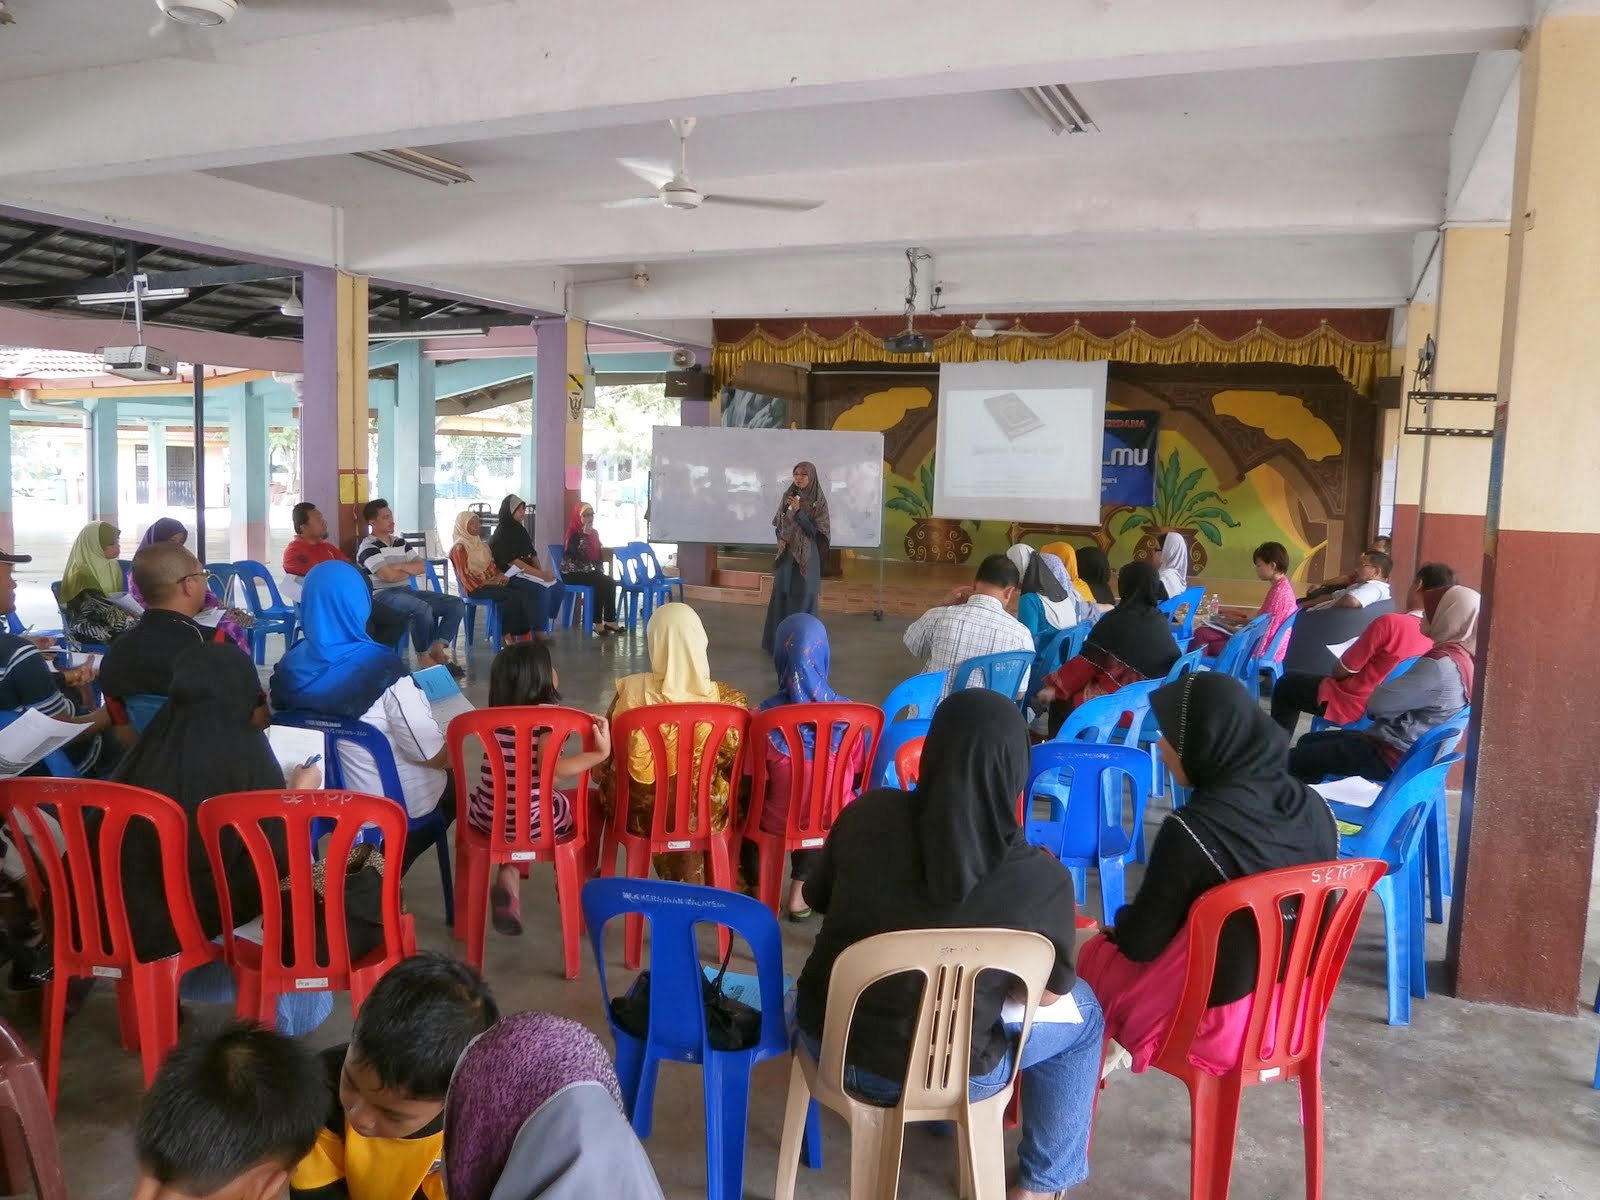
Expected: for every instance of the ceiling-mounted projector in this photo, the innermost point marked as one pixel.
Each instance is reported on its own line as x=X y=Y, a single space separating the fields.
x=908 y=341
x=143 y=364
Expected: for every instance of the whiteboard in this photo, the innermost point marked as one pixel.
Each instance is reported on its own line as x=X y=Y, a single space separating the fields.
x=715 y=484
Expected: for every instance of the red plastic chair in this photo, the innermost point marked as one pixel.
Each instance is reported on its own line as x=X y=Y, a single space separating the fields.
x=908 y=763
x=1288 y=1021
x=477 y=854
x=681 y=817
x=262 y=971
x=83 y=894
x=815 y=797
x=28 y=1151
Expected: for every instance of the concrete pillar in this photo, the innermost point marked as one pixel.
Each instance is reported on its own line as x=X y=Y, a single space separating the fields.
x=157 y=454
x=333 y=410
x=697 y=561
x=558 y=425
x=8 y=530
x=527 y=472
x=381 y=393
x=100 y=435
x=414 y=411
x=1528 y=810
x=248 y=457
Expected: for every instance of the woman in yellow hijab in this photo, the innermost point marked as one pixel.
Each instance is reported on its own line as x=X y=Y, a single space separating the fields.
x=680 y=673
x=93 y=575
x=1068 y=555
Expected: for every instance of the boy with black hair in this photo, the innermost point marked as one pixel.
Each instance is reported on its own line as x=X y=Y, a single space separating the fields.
x=229 y=1116
x=384 y=1138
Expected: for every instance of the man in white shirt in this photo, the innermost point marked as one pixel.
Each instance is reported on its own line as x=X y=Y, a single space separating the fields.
x=434 y=617
x=972 y=621
x=1371 y=585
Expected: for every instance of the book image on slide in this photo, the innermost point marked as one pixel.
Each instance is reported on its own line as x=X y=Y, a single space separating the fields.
x=1012 y=415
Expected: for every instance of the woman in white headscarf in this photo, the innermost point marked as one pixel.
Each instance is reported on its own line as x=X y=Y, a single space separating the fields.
x=1045 y=605
x=1174 y=569
x=522 y=610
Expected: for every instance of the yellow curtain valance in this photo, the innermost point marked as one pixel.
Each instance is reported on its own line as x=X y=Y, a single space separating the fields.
x=1361 y=363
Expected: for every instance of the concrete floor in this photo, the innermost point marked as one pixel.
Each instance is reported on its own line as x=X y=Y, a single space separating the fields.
x=1469 y=1102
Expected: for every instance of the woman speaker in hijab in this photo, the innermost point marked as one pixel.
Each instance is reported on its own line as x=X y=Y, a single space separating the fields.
x=534 y=1112
x=952 y=855
x=803 y=532
x=1247 y=815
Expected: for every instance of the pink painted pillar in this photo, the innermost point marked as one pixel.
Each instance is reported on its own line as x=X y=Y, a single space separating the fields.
x=696 y=560
x=550 y=482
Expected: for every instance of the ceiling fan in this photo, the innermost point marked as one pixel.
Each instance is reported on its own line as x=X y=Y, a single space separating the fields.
x=673 y=189
x=984 y=328
x=185 y=21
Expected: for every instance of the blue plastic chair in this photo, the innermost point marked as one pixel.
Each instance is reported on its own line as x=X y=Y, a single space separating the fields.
x=1393 y=830
x=915 y=697
x=1085 y=827
x=575 y=591
x=1061 y=646
x=640 y=592
x=491 y=612
x=1006 y=673
x=1100 y=719
x=655 y=572
x=1150 y=734
x=895 y=735
x=1185 y=628
x=359 y=735
x=1268 y=661
x=677 y=1027
x=272 y=617
x=142 y=709
x=56 y=763
x=1318 y=724
x=16 y=628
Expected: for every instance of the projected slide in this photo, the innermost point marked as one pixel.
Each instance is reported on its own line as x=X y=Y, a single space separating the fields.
x=1020 y=441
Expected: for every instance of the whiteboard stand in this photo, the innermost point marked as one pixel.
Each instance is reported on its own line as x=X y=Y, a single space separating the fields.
x=877 y=613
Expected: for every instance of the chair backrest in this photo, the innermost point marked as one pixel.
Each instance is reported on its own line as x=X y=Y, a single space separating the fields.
x=557 y=553
x=510 y=828
x=358 y=735
x=677 y=979
x=895 y=735
x=82 y=874
x=633 y=571
x=1061 y=645
x=1093 y=803
x=1400 y=668
x=915 y=697
x=249 y=814
x=1286 y=1019
x=816 y=795
x=1190 y=597
x=250 y=573
x=1238 y=656
x=908 y=762
x=649 y=568
x=218 y=578
x=681 y=819
x=142 y=709
x=1186 y=663
x=432 y=576
x=30 y=1155
x=950 y=962
x=1394 y=823
x=1100 y=719
x=1442 y=740
x=1269 y=652
x=16 y=628
x=1006 y=673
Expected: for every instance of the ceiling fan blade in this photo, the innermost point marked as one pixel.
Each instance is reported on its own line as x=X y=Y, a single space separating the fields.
x=652 y=170
x=763 y=202
x=635 y=202
x=182 y=41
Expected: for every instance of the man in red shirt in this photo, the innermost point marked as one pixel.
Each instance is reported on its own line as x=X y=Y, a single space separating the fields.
x=1341 y=698
x=312 y=546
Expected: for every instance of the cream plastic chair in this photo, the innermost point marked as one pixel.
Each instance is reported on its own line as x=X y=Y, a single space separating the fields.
x=935 y=1089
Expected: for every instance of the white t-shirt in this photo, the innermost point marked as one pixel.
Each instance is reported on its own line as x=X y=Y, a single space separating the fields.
x=1369 y=592
x=402 y=714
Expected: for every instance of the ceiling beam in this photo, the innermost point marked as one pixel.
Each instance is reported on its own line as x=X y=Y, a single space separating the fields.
x=10 y=254
x=200 y=277
x=282 y=102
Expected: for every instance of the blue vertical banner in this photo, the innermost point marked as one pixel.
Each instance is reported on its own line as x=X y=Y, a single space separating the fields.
x=1128 y=464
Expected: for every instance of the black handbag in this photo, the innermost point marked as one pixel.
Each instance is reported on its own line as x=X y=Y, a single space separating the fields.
x=730 y=1024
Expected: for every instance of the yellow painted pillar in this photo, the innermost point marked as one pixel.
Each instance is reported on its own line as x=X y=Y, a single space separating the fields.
x=334 y=415
x=1526 y=845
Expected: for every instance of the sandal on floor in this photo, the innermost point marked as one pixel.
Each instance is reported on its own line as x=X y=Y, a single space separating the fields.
x=798 y=915
x=507 y=918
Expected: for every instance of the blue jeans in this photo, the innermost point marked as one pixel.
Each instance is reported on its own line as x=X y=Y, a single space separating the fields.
x=431 y=616
x=297 y=1012
x=1060 y=1071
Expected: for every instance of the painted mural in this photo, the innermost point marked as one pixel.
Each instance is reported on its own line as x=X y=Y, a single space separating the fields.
x=1246 y=454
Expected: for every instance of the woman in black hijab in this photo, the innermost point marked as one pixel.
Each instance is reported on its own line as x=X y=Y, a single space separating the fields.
x=512 y=546
x=951 y=855
x=1094 y=568
x=1130 y=644
x=1247 y=815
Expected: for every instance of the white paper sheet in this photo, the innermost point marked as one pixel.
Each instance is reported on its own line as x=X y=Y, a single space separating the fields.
x=514 y=570
x=293 y=747
x=1338 y=650
x=210 y=618
x=127 y=604
x=29 y=738
x=1063 y=1012
x=1352 y=791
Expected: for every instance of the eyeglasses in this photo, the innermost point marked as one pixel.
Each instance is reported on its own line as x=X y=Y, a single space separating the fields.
x=192 y=575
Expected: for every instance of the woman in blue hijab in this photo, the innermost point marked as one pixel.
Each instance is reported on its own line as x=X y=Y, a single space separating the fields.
x=801 y=655
x=337 y=668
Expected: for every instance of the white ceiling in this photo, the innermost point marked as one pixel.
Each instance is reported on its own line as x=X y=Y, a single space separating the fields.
x=1266 y=152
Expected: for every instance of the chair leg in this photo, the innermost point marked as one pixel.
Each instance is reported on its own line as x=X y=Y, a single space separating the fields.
x=568 y=886
x=1213 y=1128
x=798 y=1112
x=1080 y=885
x=1417 y=935
x=441 y=844
x=638 y=867
x=128 y=1016
x=52 y=1025
x=722 y=877
x=727 y=1100
x=1395 y=898
x=155 y=1004
x=985 y=1153
x=1311 y=1119
x=1112 y=890
x=473 y=927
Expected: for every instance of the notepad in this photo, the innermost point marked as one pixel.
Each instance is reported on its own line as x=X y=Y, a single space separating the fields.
x=1063 y=1012
x=444 y=696
x=293 y=747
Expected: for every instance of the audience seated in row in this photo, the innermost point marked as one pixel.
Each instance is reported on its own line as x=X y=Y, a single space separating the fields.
x=512 y=545
x=1271 y=561
x=90 y=581
x=1435 y=689
x=338 y=670
x=1341 y=697
x=972 y=620
x=522 y=610
x=311 y=546
x=1130 y=644
x=1047 y=599
x=433 y=618
x=170 y=531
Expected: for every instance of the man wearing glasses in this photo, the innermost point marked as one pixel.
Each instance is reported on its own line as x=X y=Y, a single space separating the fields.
x=173 y=584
